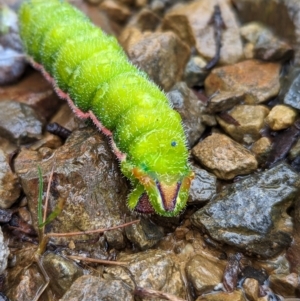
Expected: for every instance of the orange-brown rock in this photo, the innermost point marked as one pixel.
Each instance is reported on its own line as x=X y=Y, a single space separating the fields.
x=257 y=80
x=224 y=157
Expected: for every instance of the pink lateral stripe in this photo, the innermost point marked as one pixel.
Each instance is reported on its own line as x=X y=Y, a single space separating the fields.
x=121 y=156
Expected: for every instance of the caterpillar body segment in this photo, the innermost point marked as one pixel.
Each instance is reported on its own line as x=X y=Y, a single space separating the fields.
x=91 y=71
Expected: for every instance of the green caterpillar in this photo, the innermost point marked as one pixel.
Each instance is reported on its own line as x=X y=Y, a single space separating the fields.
x=91 y=71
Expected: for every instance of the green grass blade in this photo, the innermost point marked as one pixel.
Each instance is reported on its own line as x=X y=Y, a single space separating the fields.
x=57 y=210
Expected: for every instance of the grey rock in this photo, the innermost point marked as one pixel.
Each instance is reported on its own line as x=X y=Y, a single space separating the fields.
x=274 y=14
x=162 y=55
x=86 y=177
x=251 y=214
x=9 y=31
x=91 y=288
x=191 y=110
x=19 y=123
x=115 y=239
x=195 y=72
x=13 y=62
x=153 y=269
x=62 y=272
x=145 y=20
x=205 y=272
x=266 y=45
x=9 y=184
x=12 y=65
x=290 y=91
x=144 y=234
x=4 y=252
x=203 y=187
x=225 y=100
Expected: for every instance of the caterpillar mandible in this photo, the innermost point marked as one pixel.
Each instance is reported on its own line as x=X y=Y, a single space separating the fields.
x=91 y=70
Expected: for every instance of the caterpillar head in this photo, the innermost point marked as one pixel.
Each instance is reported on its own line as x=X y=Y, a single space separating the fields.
x=164 y=194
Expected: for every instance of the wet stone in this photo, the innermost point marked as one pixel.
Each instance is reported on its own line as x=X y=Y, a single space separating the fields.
x=162 y=56
x=224 y=157
x=274 y=14
x=223 y=101
x=145 y=234
x=191 y=110
x=4 y=252
x=140 y=3
x=115 y=239
x=62 y=272
x=251 y=120
x=19 y=123
x=86 y=176
x=251 y=289
x=40 y=96
x=195 y=72
x=251 y=214
x=9 y=30
x=276 y=265
x=180 y=25
x=158 y=6
x=295 y=150
x=67 y=119
x=223 y=296
x=266 y=45
x=25 y=285
x=144 y=20
x=91 y=288
x=12 y=65
x=12 y=62
x=261 y=148
x=258 y=81
x=48 y=141
x=292 y=256
x=203 y=29
x=9 y=184
x=281 y=117
x=116 y=11
x=204 y=273
x=285 y=285
x=154 y=269
x=290 y=92
x=203 y=187
x=209 y=120
x=180 y=232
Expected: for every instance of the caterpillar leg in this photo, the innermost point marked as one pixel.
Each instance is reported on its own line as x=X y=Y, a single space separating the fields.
x=138 y=201
x=144 y=206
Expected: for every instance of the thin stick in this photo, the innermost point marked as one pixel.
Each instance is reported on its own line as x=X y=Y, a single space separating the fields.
x=51 y=234
x=47 y=195
x=37 y=259
x=88 y=259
